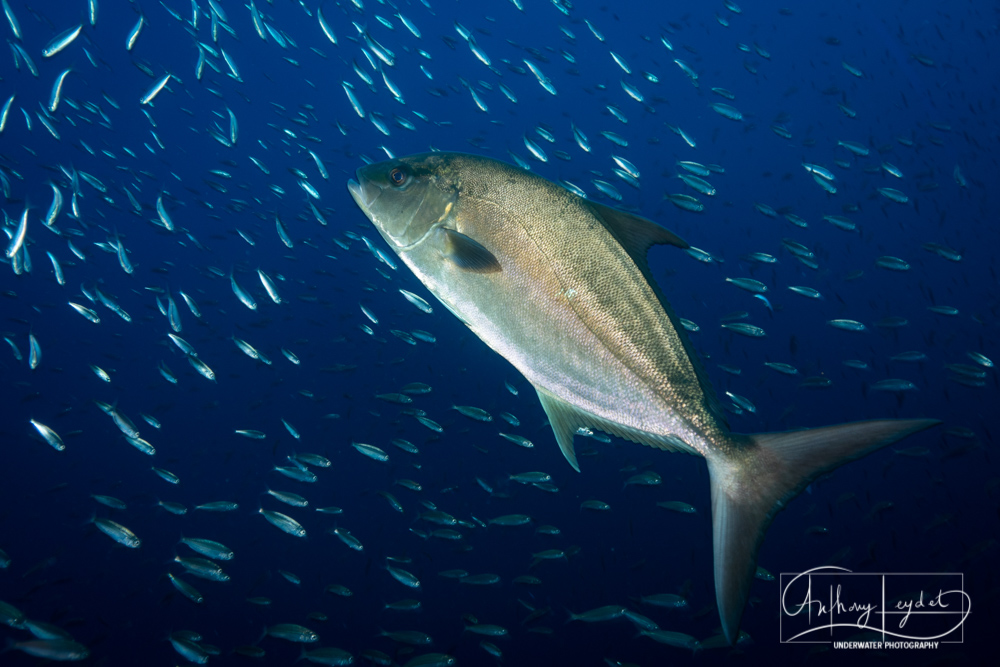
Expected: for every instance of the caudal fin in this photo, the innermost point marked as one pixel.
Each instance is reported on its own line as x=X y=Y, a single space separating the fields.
x=760 y=475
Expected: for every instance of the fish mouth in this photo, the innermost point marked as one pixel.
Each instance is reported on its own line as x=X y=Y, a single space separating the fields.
x=363 y=191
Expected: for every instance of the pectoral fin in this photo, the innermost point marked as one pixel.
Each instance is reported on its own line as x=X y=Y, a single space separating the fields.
x=468 y=254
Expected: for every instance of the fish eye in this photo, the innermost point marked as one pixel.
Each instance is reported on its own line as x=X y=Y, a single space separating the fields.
x=398 y=176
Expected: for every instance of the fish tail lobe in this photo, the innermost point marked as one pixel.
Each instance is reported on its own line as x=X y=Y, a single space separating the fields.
x=760 y=475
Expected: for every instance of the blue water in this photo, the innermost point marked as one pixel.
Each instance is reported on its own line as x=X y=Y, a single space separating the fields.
x=119 y=603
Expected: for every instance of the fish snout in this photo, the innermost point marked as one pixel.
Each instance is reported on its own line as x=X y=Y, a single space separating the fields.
x=364 y=191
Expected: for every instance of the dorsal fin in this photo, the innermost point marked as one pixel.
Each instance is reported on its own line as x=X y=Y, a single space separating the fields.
x=635 y=233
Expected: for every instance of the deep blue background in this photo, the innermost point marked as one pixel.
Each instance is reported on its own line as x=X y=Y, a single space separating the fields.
x=119 y=601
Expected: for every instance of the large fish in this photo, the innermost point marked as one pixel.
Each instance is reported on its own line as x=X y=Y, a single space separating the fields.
x=559 y=286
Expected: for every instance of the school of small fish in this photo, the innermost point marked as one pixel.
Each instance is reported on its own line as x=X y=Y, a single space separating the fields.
x=159 y=242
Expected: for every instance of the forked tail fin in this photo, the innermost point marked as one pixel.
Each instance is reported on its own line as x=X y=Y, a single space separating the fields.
x=755 y=480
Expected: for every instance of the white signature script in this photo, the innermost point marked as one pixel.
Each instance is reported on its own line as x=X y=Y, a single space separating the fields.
x=841 y=612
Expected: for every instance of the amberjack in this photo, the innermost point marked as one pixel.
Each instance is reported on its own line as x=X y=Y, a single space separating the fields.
x=560 y=287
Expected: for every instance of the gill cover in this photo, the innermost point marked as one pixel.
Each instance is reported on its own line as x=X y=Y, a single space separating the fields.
x=405 y=199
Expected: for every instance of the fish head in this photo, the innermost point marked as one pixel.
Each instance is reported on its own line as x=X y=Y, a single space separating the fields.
x=407 y=198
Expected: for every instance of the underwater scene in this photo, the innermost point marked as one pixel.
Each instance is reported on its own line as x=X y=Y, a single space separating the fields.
x=438 y=332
